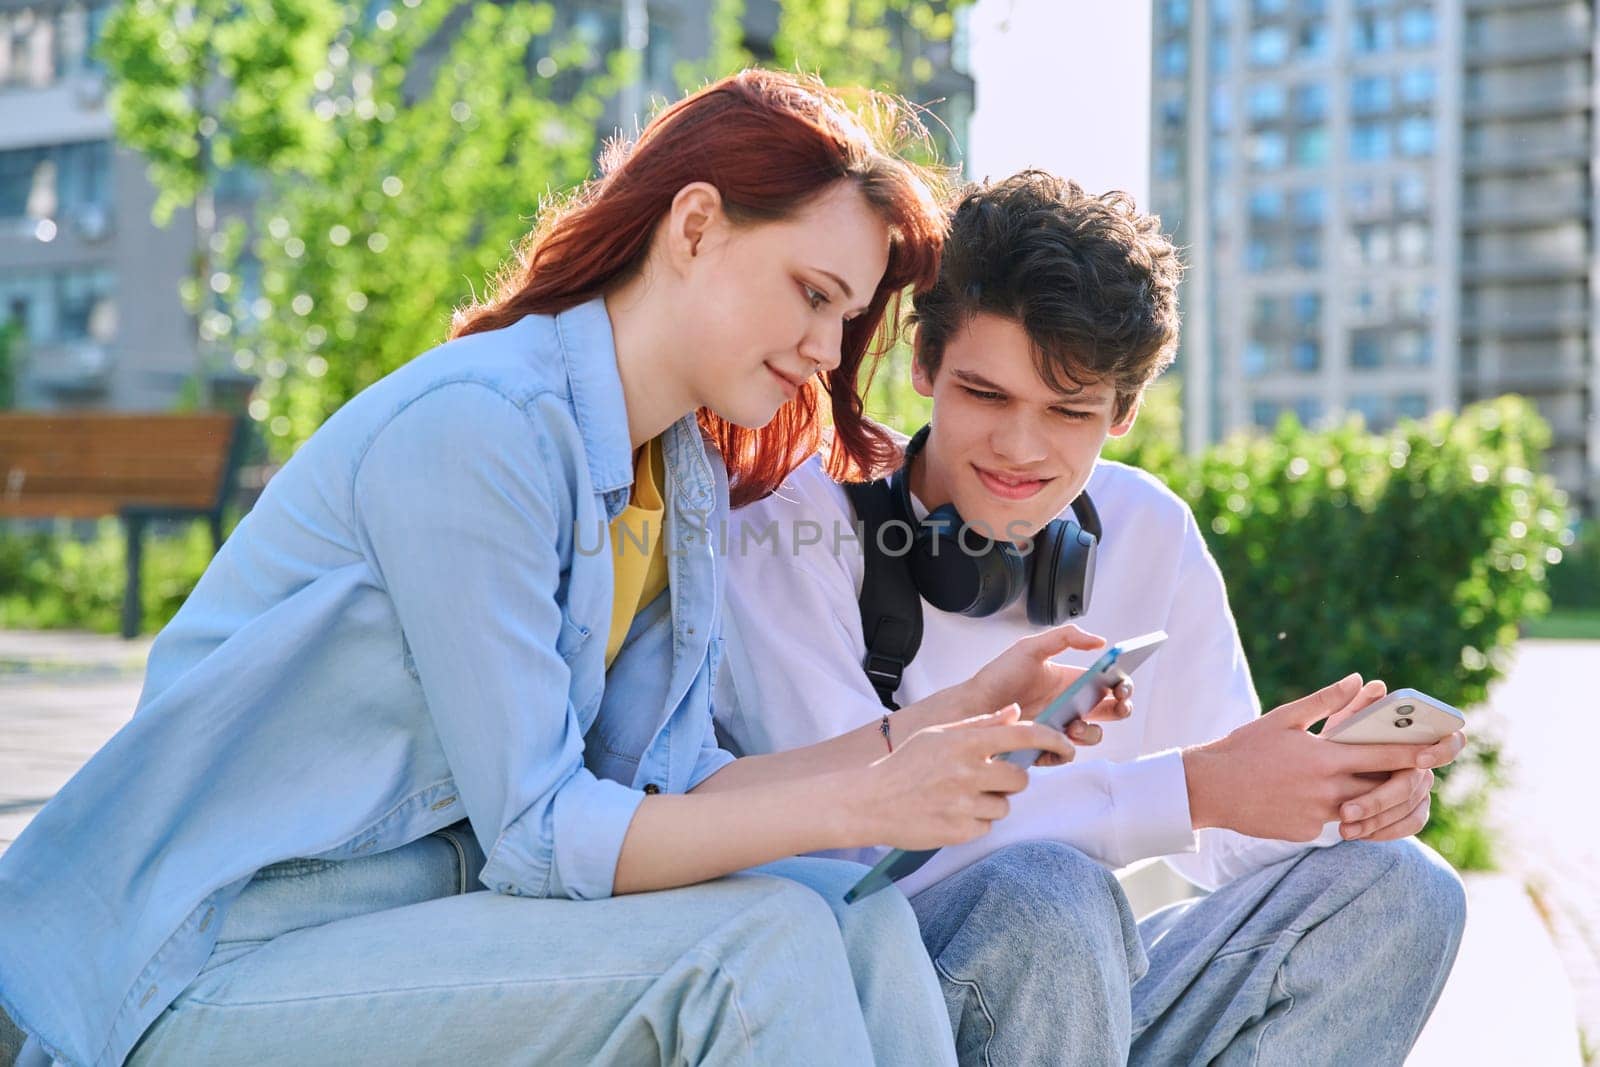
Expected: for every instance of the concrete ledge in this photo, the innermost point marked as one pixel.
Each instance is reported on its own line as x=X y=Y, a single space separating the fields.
x=1508 y=999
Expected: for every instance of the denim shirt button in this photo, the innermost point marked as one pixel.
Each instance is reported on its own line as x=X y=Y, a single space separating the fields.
x=651 y=789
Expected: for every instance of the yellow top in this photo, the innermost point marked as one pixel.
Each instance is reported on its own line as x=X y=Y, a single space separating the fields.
x=638 y=552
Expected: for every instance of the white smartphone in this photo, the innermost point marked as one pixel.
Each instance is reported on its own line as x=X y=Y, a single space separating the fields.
x=1404 y=717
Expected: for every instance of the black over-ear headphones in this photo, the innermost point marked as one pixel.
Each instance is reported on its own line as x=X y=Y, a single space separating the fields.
x=959 y=570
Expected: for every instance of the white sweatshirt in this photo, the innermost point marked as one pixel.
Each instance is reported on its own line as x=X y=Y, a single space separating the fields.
x=792 y=674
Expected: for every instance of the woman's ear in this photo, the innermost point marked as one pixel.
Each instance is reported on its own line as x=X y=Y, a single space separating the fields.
x=693 y=222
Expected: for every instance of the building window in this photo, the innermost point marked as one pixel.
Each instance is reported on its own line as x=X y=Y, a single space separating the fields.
x=1366 y=350
x=1266 y=205
x=1416 y=27
x=1419 y=86
x=1269 y=46
x=1311 y=41
x=1371 y=95
x=1310 y=205
x=1415 y=136
x=1308 y=251
x=1310 y=148
x=1411 y=242
x=1266 y=102
x=1411 y=405
x=1221 y=155
x=1268 y=151
x=1311 y=102
x=1374 y=244
x=1221 y=108
x=1413 y=348
x=1264 y=413
x=70 y=181
x=1174 y=59
x=61 y=306
x=1255 y=359
x=1371 y=34
x=1221 y=55
x=1369 y=142
x=1410 y=193
x=1308 y=409
x=1307 y=308
x=1176 y=13
x=1257 y=256
x=1174 y=114
x=1362 y=197
x=1370 y=408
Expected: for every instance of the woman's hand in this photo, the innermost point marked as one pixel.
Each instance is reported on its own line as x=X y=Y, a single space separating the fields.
x=941 y=787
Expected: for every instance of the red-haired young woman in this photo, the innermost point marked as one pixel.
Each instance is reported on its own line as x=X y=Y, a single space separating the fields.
x=424 y=770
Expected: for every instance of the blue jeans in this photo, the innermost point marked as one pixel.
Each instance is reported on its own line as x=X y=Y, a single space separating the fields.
x=402 y=958
x=1335 y=956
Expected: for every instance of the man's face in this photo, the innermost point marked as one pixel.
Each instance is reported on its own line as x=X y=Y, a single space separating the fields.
x=1006 y=448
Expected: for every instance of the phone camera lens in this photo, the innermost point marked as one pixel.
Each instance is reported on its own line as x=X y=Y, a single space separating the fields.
x=1401 y=723
x=1405 y=709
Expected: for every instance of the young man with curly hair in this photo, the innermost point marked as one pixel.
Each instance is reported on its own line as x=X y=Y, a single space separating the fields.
x=1328 y=931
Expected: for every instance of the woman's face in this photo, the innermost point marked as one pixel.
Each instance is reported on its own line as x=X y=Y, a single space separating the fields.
x=766 y=303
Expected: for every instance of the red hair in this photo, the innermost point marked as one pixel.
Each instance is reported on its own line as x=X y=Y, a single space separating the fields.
x=768 y=142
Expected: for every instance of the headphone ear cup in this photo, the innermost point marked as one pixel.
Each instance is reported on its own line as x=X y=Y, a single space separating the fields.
x=955 y=577
x=1044 y=574
x=1061 y=573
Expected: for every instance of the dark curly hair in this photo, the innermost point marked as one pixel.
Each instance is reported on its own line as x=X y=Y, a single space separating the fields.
x=1092 y=280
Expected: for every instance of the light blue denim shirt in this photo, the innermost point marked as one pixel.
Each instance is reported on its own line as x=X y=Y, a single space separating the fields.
x=408 y=628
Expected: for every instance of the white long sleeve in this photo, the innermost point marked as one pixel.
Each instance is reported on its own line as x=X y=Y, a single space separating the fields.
x=793 y=674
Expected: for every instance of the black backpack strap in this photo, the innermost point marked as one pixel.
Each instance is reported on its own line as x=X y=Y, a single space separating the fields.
x=891 y=608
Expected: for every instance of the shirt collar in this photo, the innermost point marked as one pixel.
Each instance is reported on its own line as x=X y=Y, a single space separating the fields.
x=590 y=355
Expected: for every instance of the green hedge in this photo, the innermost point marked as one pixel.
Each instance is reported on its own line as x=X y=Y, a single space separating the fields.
x=54 y=580
x=1411 y=555
x=1575 y=584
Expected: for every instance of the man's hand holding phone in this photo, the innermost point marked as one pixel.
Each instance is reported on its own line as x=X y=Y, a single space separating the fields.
x=1271 y=778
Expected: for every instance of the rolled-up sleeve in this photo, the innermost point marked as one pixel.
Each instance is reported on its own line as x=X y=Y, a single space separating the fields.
x=462 y=528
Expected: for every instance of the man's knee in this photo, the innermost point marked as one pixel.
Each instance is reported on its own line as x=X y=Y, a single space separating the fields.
x=1423 y=894
x=1045 y=898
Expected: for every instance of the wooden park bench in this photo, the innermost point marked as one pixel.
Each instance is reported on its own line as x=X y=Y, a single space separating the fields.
x=88 y=465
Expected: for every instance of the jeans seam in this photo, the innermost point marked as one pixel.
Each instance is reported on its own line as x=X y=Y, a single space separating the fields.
x=1282 y=981
x=983 y=1006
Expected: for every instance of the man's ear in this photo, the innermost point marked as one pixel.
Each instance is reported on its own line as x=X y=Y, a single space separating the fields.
x=1126 y=423
x=921 y=380
x=695 y=217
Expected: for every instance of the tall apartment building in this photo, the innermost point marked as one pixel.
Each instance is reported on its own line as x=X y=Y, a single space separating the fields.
x=93 y=284
x=1388 y=210
x=87 y=278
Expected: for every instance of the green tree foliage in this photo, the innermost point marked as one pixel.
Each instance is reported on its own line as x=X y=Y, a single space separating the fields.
x=1575 y=584
x=439 y=174
x=201 y=86
x=204 y=84
x=10 y=357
